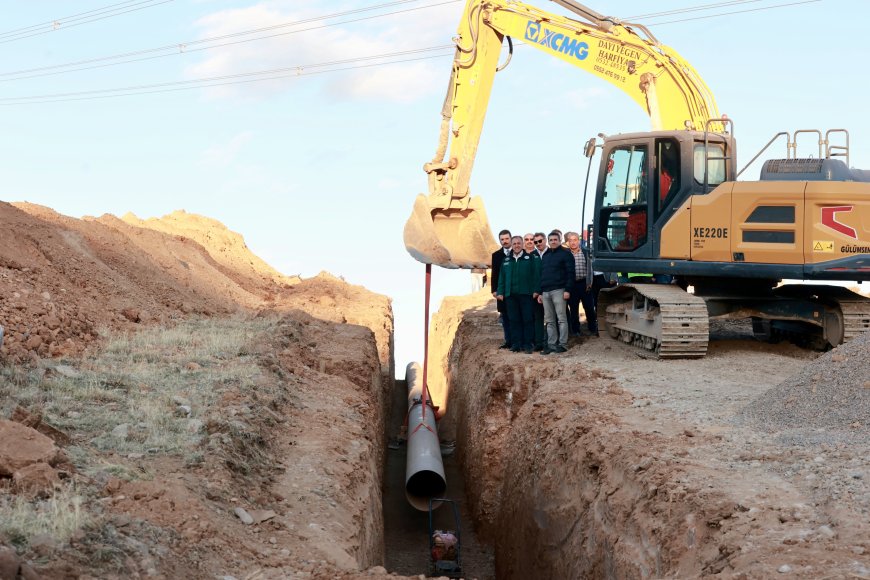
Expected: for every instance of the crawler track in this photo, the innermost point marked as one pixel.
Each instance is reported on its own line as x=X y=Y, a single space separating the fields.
x=659 y=318
x=856 y=317
x=854 y=307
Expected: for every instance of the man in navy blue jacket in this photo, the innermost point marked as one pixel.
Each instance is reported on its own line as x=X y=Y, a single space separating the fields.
x=557 y=275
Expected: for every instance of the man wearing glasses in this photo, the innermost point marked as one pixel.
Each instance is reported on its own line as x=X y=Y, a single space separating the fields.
x=528 y=244
x=557 y=272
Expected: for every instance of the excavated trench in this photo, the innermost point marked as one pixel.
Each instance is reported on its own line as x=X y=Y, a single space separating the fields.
x=406 y=535
x=543 y=484
x=546 y=485
x=563 y=472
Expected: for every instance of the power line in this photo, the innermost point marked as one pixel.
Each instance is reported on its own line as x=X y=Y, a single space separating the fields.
x=55 y=21
x=734 y=12
x=182 y=47
x=299 y=73
x=296 y=70
x=88 y=21
x=285 y=72
x=690 y=9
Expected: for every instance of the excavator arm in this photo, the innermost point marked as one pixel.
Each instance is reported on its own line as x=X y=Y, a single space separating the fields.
x=448 y=227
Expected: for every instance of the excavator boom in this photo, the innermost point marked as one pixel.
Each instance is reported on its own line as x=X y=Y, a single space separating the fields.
x=448 y=227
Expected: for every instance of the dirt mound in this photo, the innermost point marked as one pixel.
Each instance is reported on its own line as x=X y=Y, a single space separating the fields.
x=831 y=392
x=203 y=445
x=331 y=299
x=62 y=280
x=633 y=467
x=225 y=247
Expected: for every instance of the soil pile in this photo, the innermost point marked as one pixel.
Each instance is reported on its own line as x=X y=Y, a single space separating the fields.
x=635 y=468
x=203 y=445
x=831 y=392
x=62 y=280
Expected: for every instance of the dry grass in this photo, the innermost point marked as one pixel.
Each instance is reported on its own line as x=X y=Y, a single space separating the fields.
x=125 y=402
x=59 y=516
x=128 y=398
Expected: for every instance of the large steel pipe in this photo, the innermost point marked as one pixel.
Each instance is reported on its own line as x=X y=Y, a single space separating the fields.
x=424 y=471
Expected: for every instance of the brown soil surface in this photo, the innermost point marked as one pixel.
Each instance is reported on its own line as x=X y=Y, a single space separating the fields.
x=299 y=446
x=595 y=463
x=62 y=280
x=603 y=463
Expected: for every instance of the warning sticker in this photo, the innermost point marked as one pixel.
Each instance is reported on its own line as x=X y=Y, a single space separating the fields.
x=823 y=246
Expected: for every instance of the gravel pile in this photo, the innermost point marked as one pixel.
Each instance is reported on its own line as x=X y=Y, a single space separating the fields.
x=831 y=392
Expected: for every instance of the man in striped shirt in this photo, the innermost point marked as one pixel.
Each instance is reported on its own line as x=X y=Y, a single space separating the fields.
x=580 y=290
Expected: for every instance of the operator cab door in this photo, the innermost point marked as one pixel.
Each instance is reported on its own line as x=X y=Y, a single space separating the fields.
x=624 y=188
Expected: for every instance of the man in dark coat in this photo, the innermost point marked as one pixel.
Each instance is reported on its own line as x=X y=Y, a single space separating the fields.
x=504 y=238
x=539 y=241
x=519 y=283
x=557 y=276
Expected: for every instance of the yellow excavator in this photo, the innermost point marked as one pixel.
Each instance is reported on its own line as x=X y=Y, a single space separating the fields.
x=667 y=202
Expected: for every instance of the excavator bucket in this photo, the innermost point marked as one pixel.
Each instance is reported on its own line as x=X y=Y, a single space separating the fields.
x=450 y=238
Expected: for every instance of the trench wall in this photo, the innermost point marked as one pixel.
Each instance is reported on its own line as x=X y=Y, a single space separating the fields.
x=557 y=480
x=337 y=354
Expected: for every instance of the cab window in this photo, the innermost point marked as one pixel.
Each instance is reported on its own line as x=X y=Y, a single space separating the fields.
x=715 y=167
x=625 y=182
x=624 y=211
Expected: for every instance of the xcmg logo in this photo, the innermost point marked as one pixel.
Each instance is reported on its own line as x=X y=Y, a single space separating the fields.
x=556 y=40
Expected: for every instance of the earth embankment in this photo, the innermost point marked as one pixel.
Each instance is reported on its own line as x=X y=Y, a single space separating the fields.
x=211 y=417
x=602 y=463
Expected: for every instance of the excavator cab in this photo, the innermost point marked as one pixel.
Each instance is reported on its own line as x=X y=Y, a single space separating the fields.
x=643 y=181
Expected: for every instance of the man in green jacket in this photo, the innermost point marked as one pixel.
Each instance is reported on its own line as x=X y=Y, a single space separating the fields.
x=519 y=283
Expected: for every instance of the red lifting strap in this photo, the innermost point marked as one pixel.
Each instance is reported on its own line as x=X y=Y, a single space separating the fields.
x=426 y=341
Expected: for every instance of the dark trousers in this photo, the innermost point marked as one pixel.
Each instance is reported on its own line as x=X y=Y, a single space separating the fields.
x=522 y=320
x=598 y=282
x=505 y=326
x=579 y=295
x=540 y=331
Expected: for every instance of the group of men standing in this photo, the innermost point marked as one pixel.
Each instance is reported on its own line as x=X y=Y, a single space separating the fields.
x=539 y=285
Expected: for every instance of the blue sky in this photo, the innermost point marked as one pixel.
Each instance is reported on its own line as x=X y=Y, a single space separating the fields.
x=319 y=171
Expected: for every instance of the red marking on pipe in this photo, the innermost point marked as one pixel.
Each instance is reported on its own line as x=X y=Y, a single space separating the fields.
x=829 y=218
x=428 y=428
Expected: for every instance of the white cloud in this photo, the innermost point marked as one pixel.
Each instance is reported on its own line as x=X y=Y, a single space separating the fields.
x=224 y=153
x=319 y=42
x=388 y=183
x=586 y=97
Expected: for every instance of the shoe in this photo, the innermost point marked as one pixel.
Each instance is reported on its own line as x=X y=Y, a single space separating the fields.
x=529 y=350
x=595 y=334
x=539 y=348
x=505 y=345
x=547 y=350
x=515 y=349
x=560 y=349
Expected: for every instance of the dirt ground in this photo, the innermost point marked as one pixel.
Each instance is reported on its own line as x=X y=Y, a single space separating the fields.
x=172 y=407
x=644 y=468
